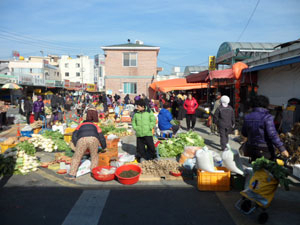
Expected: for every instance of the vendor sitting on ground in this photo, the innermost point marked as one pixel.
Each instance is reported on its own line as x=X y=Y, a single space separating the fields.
x=87 y=136
x=92 y=114
x=165 y=120
x=55 y=117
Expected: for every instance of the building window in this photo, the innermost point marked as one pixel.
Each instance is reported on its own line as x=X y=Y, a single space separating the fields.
x=129 y=59
x=57 y=73
x=77 y=65
x=30 y=70
x=129 y=88
x=66 y=65
x=66 y=74
x=77 y=74
x=46 y=74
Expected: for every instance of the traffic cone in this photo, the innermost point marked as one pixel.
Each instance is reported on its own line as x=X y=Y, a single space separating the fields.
x=65 y=119
x=18 y=131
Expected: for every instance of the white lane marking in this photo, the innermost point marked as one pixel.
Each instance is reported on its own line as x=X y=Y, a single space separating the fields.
x=88 y=208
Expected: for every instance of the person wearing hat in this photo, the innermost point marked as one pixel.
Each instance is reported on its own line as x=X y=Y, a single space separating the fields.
x=217 y=103
x=92 y=114
x=225 y=120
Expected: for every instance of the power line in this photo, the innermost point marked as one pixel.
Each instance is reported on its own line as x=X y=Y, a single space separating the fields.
x=248 y=20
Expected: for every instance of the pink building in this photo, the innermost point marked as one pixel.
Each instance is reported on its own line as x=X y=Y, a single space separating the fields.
x=130 y=68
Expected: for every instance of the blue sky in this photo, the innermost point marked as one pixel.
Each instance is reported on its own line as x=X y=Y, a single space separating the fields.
x=186 y=31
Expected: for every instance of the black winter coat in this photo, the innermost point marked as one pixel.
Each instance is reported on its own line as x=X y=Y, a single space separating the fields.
x=88 y=129
x=224 y=117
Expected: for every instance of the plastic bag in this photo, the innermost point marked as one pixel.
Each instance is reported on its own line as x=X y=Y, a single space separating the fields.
x=112 y=137
x=84 y=168
x=190 y=151
x=27 y=128
x=125 y=157
x=218 y=162
x=190 y=164
x=204 y=160
x=232 y=161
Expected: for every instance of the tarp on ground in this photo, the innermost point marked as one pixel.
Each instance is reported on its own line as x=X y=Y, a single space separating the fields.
x=197 y=77
x=175 y=85
x=220 y=74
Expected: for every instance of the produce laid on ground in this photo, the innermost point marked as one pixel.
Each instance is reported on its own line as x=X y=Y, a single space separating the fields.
x=36 y=124
x=26 y=163
x=18 y=160
x=43 y=143
x=111 y=129
x=160 y=167
x=14 y=140
x=128 y=173
x=280 y=173
x=175 y=146
x=291 y=141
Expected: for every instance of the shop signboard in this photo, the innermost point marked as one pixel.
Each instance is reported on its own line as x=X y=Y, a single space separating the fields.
x=212 y=63
x=26 y=79
x=50 y=83
x=37 y=81
x=72 y=84
x=91 y=87
x=67 y=83
x=58 y=83
x=8 y=79
x=78 y=85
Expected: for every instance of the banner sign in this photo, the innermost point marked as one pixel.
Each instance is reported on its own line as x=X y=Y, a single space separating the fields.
x=212 y=63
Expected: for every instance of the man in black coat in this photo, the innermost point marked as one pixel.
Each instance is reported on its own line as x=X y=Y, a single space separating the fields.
x=225 y=120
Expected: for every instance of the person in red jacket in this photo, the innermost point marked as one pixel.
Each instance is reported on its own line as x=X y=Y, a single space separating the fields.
x=190 y=105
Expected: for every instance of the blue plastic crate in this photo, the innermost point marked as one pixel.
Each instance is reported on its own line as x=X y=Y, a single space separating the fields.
x=26 y=133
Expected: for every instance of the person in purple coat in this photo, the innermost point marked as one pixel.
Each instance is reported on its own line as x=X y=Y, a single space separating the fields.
x=259 y=128
x=38 y=108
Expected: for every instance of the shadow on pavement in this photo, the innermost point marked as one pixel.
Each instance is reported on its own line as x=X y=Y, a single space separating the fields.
x=129 y=148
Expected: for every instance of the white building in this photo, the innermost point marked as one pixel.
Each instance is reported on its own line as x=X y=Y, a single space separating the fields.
x=80 y=69
x=176 y=73
x=100 y=71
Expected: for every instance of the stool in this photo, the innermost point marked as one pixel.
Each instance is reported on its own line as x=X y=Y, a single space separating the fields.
x=166 y=133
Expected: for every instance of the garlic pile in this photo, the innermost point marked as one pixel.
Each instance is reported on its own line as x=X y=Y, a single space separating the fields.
x=43 y=143
x=26 y=163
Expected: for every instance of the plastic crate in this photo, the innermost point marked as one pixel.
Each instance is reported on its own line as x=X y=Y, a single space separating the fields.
x=4 y=147
x=69 y=130
x=68 y=138
x=219 y=181
x=112 y=143
x=37 y=130
x=26 y=133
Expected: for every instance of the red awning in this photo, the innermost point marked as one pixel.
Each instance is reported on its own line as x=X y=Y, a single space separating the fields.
x=197 y=77
x=221 y=74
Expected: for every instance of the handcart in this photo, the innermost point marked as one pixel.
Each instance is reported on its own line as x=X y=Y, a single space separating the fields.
x=259 y=193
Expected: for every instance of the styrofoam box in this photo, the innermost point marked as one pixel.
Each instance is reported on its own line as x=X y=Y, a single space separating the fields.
x=296 y=170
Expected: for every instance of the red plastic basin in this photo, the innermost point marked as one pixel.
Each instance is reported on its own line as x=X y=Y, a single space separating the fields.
x=101 y=177
x=131 y=180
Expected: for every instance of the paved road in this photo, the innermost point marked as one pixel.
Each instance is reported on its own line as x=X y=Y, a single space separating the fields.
x=60 y=205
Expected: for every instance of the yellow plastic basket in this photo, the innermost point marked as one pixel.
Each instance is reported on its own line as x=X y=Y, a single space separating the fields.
x=4 y=147
x=219 y=181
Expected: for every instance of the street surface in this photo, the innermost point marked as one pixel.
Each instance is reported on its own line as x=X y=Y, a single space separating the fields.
x=44 y=197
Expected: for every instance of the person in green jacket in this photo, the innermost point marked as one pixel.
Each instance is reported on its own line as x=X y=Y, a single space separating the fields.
x=143 y=122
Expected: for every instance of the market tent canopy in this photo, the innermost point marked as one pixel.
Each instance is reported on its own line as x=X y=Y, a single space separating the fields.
x=181 y=88
x=175 y=84
x=197 y=77
x=221 y=74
